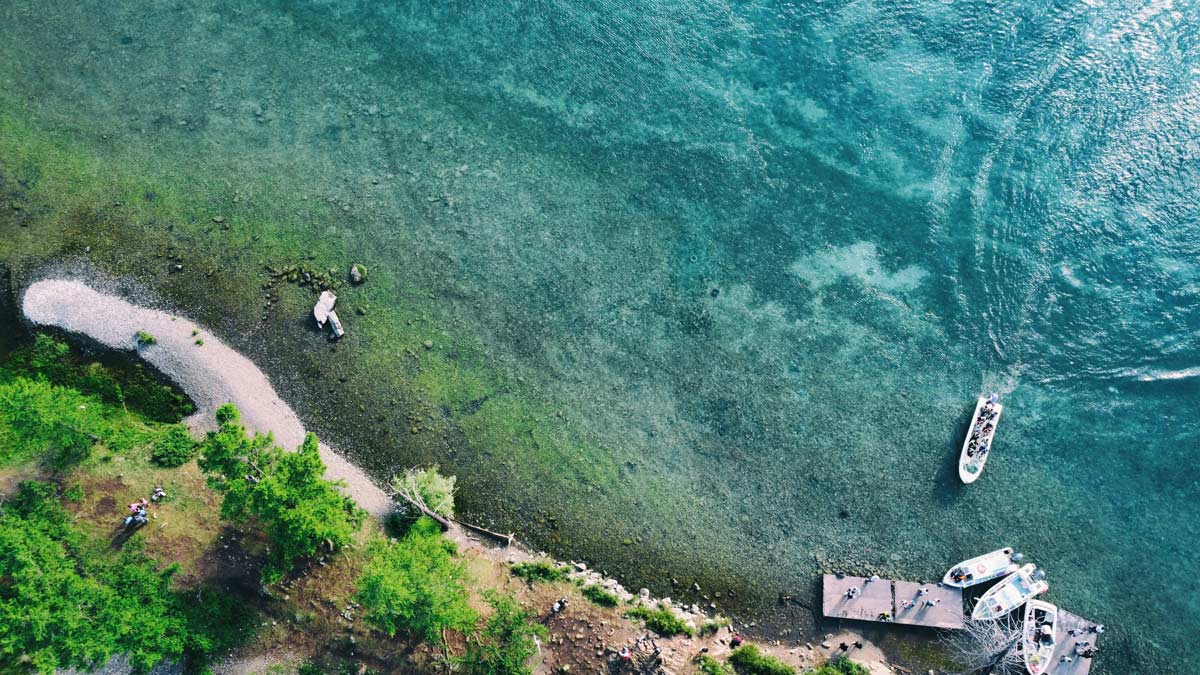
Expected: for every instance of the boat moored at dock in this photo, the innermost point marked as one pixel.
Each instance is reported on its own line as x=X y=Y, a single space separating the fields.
x=1039 y=636
x=1015 y=590
x=984 y=568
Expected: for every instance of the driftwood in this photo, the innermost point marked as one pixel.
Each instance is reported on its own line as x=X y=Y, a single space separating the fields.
x=506 y=538
x=423 y=509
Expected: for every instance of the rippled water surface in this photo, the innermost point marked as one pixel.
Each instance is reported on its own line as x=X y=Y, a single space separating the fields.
x=767 y=252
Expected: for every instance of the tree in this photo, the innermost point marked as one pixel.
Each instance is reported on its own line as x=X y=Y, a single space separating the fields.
x=301 y=512
x=506 y=643
x=987 y=647
x=417 y=585
x=427 y=488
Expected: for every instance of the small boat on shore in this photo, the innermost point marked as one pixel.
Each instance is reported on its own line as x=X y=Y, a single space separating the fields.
x=983 y=568
x=1039 y=635
x=978 y=443
x=1014 y=591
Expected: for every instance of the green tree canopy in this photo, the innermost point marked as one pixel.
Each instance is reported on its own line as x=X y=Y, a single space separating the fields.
x=302 y=512
x=417 y=585
x=507 y=641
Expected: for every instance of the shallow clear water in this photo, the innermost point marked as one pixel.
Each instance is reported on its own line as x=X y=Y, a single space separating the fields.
x=768 y=252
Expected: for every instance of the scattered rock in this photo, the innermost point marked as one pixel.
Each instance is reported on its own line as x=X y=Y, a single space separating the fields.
x=428 y=344
x=218 y=219
x=358 y=273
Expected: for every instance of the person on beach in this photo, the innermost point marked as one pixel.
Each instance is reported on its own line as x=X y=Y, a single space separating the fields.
x=857 y=644
x=558 y=606
x=735 y=641
x=843 y=647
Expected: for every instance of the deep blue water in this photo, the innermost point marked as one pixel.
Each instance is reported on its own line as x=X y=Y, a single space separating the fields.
x=769 y=252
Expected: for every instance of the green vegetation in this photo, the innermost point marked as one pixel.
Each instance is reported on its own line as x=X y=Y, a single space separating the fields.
x=842 y=666
x=174 y=447
x=115 y=381
x=507 y=641
x=749 y=660
x=417 y=585
x=145 y=339
x=710 y=666
x=711 y=626
x=199 y=342
x=70 y=602
x=661 y=620
x=539 y=570
x=600 y=595
x=301 y=512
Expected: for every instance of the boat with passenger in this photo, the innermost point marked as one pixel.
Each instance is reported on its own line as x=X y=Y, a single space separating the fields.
x=978 y=443
x=1039 y=636
x=984 y=568
x=1011 y=593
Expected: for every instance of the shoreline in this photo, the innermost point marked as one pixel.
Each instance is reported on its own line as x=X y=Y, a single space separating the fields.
x=213 y=373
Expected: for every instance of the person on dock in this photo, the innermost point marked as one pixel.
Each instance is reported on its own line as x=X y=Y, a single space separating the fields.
x=884 y=616
x=1097 y=628
x=922 y=592
x=1088 y=653
x=873 y=577
x=852 y=592
x=933 y=603
x=908 y=604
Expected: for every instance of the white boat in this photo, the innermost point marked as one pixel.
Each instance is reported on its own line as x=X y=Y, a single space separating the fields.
x=1010 y=594
x=983 y=568
x=1038 y=637
x=978 y=443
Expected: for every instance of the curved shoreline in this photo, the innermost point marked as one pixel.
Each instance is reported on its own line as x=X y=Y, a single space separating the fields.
x=211 y=374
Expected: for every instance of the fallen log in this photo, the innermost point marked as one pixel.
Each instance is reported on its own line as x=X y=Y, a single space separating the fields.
x=506 y=538
x=424 y=510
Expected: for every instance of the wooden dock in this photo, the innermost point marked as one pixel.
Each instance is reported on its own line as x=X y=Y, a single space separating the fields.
x=1066 y=644
x=931 y=605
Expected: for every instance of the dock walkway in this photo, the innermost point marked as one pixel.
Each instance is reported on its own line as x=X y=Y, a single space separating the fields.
x=932 y=605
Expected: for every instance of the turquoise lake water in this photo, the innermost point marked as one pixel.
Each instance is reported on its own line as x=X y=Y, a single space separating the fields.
x=768 y=252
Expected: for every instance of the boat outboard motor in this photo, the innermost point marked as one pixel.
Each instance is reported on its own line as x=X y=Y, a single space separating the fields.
x=1017 y=557
x=1038 y=575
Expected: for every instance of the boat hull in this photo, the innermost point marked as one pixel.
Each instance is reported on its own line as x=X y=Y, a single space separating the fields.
x=981 y=569
x=1010 y=594
x=970 y=466
x=1037 y=644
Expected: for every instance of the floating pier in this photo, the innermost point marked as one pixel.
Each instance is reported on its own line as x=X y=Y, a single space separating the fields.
x=1066 y=644
x=932 y=605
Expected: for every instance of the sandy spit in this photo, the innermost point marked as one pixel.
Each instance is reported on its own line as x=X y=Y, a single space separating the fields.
x=212 y=374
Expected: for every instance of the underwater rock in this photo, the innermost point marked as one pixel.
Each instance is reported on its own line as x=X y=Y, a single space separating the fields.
x=358 y=273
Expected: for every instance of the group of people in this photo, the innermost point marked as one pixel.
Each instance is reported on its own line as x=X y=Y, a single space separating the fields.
x=982 y=429
x=138 y=513
x=1084 y=649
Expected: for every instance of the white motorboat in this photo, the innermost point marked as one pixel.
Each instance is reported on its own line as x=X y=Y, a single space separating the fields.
x=1039 y=636
x=983 y=568
x=1010 y=593
x=978 y=443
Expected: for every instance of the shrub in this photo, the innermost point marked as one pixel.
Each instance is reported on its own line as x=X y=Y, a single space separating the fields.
x=710 y=666
x=174 y=447
x=539 y=570
x=661 y=620
x=416 y=585
x=842 y=666
x=600 y=595
x=507 y=641
x=145 y=339
x=300 y=511
x=749 y=660
x=711 y=626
